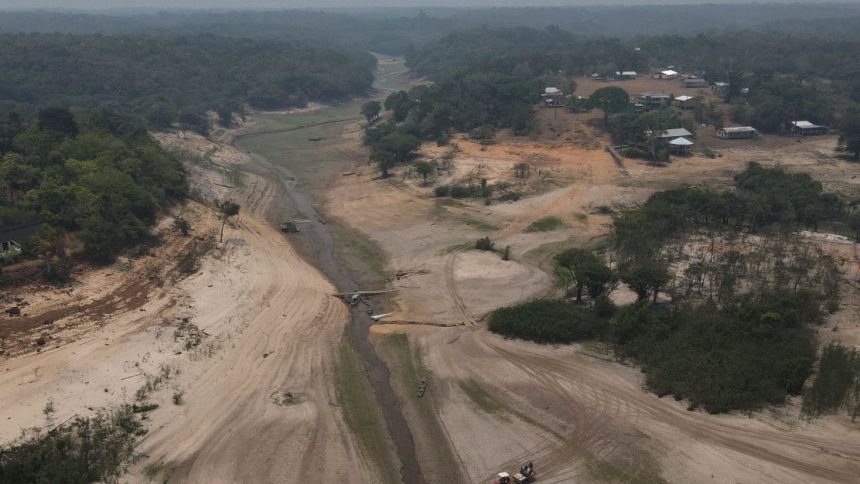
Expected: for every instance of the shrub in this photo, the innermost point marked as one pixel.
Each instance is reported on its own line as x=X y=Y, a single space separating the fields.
x=462 y=191
x=484 y=243
x=182 y=225
x=510 y=197
x=91 y=449
x=837 y=384
x=442 y=191
x=546 y=321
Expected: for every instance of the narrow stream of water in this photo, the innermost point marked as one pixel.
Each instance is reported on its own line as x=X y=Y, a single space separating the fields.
x=318 y=238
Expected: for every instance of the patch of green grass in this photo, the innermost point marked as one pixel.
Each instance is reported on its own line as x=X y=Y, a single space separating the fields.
x=580 y=217
x=156 y=470
x=489 y=404
x=545 y=224
x=478 y=224
x=641 y=469
x=361 y=256
x=481 y=398
x=361 y=412
x=234 y=176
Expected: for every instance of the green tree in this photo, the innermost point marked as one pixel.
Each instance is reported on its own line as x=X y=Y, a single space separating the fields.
x=393 y=148
x=226 y=209
x=424 y=169
x=587 y=270
x=610 y=100
x=399 y=104
x=52 y=242
x=15 y=174
x=653 y=124
x=645 y=277
x=370 y=110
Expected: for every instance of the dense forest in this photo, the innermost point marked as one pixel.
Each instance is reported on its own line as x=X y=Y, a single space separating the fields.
x=396 y=30
x=744 y=293
x=95 y=181
x=169 y=79
x=543 y=54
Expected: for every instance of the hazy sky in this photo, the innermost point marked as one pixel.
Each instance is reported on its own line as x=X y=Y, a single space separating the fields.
x=238 y=4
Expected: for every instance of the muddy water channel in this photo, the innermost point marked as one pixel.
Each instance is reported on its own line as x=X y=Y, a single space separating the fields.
x=301 y=150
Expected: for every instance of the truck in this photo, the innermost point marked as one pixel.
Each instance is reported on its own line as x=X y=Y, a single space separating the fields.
x=526 y=474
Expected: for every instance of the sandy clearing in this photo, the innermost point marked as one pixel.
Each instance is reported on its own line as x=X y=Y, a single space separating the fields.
x=100 y=346
x=599 y=407
x=278 y=330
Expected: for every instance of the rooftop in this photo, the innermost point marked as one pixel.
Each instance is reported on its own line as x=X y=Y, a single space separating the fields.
x=676 y=133
x=684 y=98
x=804 y=125
x=669 y=72
x=654 y=95
x=681 y=142
x=738 y=129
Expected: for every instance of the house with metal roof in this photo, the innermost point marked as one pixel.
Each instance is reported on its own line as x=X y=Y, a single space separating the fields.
x=685 y=102
x=805 y=128
x=737 y=132
x=653 y=100
x=675 y=133
x=552 y=97
x=626 y=75
x=667 y=73
x=695 y=83
x=721 y=88
x=11 y=239
x=680 y=146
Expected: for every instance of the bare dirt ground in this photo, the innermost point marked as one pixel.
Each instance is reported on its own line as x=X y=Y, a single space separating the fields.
x=586 y=86
x=256 y=389
x=576 y=413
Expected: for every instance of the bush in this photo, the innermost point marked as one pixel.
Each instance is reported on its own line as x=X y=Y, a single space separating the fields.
x=547 y=321
x=484 y=243
x=182 y=225
x=442 y=191
x=837 y=384
x=92 y=449
x=462 y=191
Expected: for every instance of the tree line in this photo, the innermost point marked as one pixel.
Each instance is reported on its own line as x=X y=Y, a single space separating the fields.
x=170 y=79
x=95 y=180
